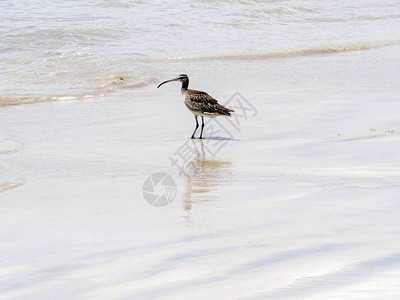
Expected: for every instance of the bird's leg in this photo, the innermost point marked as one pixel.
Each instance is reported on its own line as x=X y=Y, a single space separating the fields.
x=197 y=126
x=202 y=127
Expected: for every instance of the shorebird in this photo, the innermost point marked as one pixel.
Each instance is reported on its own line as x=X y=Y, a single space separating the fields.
x=200 y=103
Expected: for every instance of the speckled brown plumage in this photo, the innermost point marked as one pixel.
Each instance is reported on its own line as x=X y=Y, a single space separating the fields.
x=200 y=103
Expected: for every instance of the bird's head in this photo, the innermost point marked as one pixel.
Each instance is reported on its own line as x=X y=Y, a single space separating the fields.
x=182 y=78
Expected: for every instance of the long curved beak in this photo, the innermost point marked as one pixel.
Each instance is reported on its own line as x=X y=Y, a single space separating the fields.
x=176 y=79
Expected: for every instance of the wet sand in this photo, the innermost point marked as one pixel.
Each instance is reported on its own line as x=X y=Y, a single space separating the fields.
x=300 y=202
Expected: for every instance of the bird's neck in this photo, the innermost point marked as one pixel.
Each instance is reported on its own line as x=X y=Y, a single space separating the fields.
x=185 y=85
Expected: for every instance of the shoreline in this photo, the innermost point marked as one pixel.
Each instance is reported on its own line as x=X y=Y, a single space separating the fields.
x=129 y=84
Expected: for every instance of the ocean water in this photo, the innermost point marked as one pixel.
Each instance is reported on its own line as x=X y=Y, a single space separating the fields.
x=61 y=50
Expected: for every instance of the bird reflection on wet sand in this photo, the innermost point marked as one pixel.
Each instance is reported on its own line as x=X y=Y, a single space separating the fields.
x=205 y=174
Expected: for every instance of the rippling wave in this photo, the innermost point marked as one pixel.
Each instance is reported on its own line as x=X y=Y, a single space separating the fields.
x=84 y=88
x=285 y=53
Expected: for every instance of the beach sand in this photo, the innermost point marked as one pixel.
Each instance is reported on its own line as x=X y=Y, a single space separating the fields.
x=301 y=202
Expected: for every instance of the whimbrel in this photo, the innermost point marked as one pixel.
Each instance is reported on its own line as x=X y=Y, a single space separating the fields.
x=200 y=103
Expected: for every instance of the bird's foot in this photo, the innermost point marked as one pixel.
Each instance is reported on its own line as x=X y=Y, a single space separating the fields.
x=193 y=138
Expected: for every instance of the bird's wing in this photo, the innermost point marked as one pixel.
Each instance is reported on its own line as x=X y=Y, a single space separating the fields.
x=201 y=97
x=203 y=102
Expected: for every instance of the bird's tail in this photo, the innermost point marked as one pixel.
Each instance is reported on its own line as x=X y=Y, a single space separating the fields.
x=229 y=111
x=222 y=110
